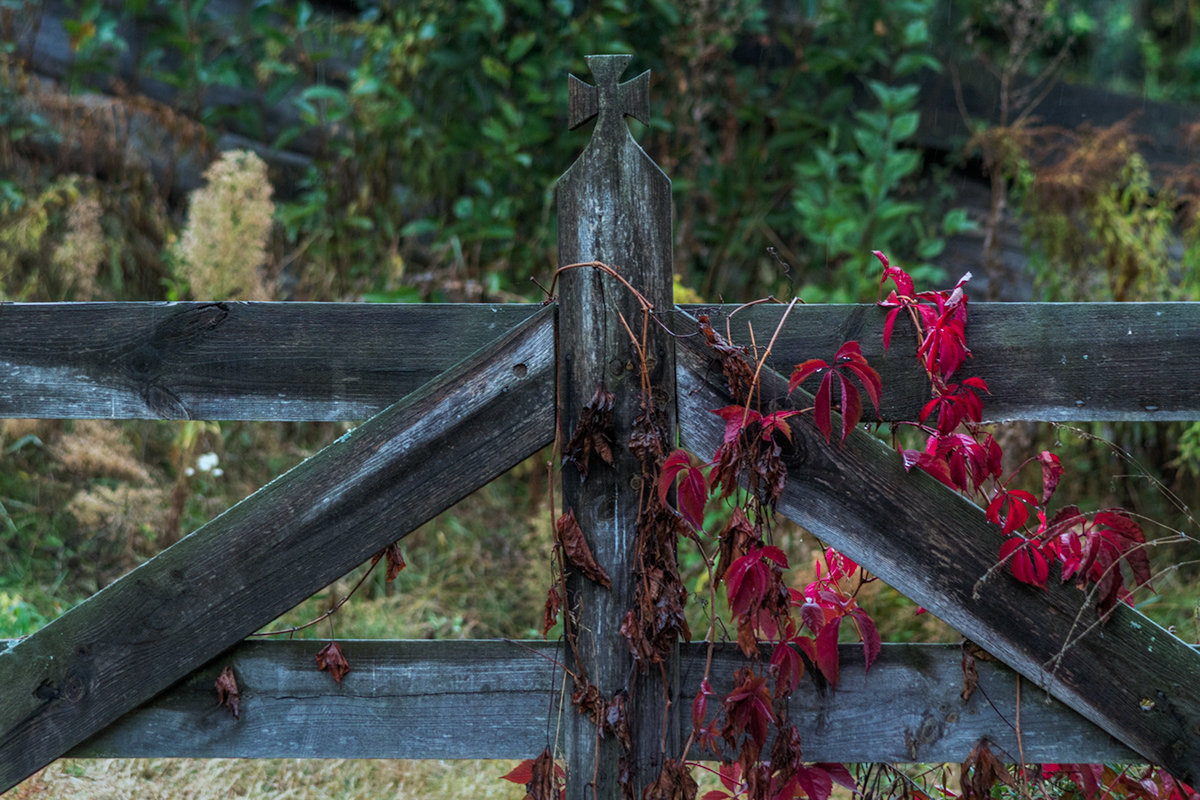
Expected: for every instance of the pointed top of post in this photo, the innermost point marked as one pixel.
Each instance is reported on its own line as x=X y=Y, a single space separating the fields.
x=609 y=100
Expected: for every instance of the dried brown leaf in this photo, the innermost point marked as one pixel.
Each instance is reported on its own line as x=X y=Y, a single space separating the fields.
x=228 y=693
x=395 y=560
x=570 y=536
x=550 y=612
x=970 y=675
x=593 y=433
x=981 y=771
x=330 y=659
x=646 y=438
x=735 y=363
x=675 y=782
x=589 y=701
x=616 y=721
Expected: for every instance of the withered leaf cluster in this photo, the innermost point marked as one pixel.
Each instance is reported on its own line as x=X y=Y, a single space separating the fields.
x=611 y=717
x=735 y=364
x=675 y=782
x=593 y=434
x=657 y=621
x=981 y=771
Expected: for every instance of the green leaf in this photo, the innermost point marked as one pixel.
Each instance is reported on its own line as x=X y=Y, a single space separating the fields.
x=956 y=221
x=869 y=143
x=876 y=121
x=324 y=93
x=915 y=33
x=496 y=70
x=521 y=44
x=900 y=164
x=905 y=126
x=909 y=63
x=419 y=227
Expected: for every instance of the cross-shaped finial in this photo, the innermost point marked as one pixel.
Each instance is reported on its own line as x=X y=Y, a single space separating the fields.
x=608 y=99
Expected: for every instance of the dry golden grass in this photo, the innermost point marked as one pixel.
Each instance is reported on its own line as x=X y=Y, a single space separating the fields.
x=276 y=779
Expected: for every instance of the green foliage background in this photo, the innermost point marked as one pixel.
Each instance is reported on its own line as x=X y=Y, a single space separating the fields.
x=414 y=148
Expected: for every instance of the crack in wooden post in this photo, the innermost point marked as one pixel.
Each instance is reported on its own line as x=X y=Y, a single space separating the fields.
x=614 y=206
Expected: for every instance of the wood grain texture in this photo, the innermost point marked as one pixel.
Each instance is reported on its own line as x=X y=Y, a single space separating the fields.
x=345 y=361
x=1132 y=677
x=499 y=699
x=275 y=548
x=266 y=361
x=1070 y=362
x=614 y=206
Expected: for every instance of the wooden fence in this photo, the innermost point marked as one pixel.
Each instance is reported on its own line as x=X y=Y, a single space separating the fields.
x=458 y=394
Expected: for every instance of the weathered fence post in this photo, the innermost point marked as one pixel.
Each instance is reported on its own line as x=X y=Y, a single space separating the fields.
x=614 y=206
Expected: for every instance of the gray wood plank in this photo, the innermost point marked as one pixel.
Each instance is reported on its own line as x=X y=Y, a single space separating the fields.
x=337 y=361
x=232 y=360
x=1132 y=677
x=499 y=699
x=1042 y=361
x=275 y=548
x=614 y=206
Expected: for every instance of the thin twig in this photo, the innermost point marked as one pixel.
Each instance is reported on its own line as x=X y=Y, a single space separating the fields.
x=341 y=602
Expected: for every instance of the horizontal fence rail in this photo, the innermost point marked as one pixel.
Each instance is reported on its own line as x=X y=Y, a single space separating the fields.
x=502 y=699
x=347 y=361
x=232 y=360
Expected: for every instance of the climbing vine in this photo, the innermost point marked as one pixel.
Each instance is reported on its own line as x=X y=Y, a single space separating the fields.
x=787 y=632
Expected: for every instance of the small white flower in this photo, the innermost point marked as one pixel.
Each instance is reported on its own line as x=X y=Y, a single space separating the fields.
x=218 y=472
x=206 y=462
x=189 y=472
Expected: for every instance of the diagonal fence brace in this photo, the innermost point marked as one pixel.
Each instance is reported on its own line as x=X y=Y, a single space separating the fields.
x=280 y=545
x=1130 y=677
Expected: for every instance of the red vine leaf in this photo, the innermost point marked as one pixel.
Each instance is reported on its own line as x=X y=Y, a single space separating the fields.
x=1091 y=551
x=848 y=361
x=827 y=651
x=692 y=494
x=700 y=705
x=748 y=708
x=872 y=645
x=228 y=694
x=330 y=659
x=1052 y=471
x=1027 y=562
x=575 y=547
x=959 y=402
x=1010 y=509
x=748 y=579
x=737 y=419
x=788 y=668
